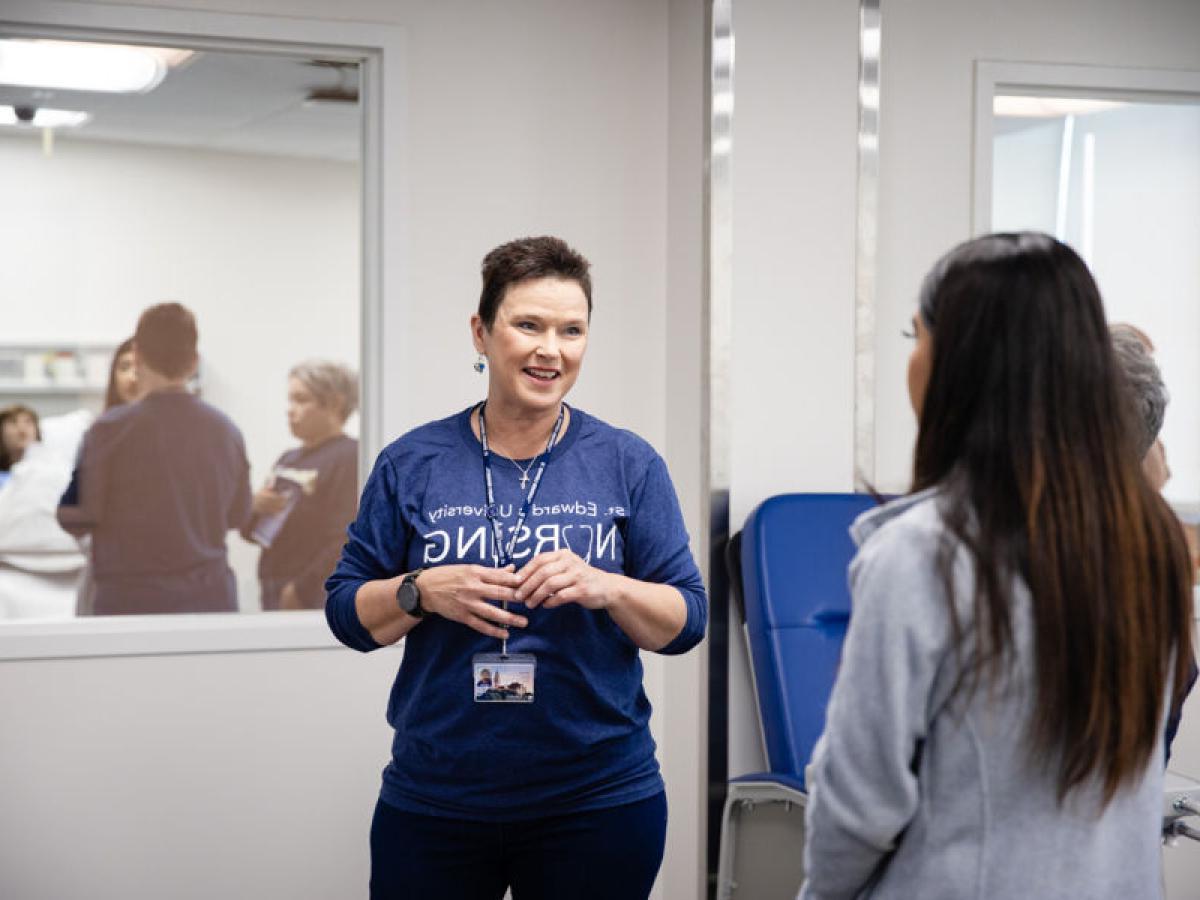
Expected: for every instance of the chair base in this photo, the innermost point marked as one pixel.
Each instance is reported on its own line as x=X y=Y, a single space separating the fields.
x=762 y=841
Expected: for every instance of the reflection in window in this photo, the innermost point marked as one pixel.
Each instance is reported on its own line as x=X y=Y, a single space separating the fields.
x=1120 y=182
x=232 y=187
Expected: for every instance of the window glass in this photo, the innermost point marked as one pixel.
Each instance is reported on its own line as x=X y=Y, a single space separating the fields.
x=227 y=183
x=1120 y=182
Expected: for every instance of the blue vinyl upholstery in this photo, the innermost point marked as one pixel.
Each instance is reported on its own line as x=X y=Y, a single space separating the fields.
x=795 y=550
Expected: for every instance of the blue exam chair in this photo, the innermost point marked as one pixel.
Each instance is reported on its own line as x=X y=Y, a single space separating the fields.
x=792 y=555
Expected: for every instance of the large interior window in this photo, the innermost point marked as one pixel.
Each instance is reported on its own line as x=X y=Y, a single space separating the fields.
x=225 y=181
x=233 y=164
x=1108 y=161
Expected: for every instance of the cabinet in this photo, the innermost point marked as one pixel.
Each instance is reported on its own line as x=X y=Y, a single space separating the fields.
x=55 y=378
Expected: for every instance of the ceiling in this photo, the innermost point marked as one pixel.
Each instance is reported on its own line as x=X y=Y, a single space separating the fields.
x=237 y=102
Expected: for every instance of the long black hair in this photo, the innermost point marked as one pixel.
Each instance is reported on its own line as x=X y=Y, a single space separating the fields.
x=1026 y=431
x=112 y=396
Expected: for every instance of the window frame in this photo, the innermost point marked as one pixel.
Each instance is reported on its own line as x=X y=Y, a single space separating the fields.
x=1055 y=80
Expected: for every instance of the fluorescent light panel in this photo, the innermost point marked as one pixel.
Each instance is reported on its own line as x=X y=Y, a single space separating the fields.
x=1012 y=106
x=78 y=66
x=44 y=118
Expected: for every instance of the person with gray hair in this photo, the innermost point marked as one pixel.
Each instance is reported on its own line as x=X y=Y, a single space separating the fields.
x=1149 y=396
x=1135 y=359
x=301 y=513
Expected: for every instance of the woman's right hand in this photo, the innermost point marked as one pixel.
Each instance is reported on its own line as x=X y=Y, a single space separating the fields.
x=468 y=594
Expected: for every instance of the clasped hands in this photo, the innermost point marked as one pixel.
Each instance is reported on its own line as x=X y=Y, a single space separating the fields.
x=469 y=593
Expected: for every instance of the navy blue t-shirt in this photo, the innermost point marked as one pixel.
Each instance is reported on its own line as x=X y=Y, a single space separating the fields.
x=584 y=743
x=158 y=484
x=310 y=541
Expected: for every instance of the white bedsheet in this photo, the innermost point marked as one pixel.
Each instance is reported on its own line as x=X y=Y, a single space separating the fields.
x=40 y=564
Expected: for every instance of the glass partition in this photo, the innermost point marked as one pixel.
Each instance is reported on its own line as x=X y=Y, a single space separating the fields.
x=1118 y=178
x=227 y=182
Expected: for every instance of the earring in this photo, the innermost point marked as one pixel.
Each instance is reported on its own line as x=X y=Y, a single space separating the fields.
x=480 y=363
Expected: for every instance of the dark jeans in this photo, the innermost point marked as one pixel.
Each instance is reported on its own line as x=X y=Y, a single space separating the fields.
x=603 y=854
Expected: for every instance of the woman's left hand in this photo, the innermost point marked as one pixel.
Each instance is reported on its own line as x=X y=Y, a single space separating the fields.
x=552 y=579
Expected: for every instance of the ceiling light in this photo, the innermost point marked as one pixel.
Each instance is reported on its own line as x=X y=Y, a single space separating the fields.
x=77 y=66
x=331 y=97
x=1049 y=107
x=27 y=116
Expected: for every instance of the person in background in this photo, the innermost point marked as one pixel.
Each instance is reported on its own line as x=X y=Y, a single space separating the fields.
x=1149 y=396
x=19 y=429
x=300 y=515
x=158 y=484
x=122 y=388
x=523 y=533
x=1135 y=357
x=122 y=377
x=40 y=565
x=1022 y=620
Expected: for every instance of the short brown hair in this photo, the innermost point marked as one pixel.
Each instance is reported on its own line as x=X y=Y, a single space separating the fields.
x=11 y=412
x=525 y=259
x=166 y=339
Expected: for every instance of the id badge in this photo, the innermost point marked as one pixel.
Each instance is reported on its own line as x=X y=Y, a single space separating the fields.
x=503 y=677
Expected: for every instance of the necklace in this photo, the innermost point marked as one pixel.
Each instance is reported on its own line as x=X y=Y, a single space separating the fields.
x=524 y=470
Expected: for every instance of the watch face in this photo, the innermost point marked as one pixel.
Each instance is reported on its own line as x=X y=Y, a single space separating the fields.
x=409 y=597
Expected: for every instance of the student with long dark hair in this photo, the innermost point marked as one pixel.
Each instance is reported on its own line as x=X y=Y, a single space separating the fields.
x=1020 y=622
x=122 y=377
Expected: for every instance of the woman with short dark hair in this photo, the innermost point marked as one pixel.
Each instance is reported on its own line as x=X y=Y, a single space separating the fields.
x=527 y=552
x=1021 y=621
x=19 y=429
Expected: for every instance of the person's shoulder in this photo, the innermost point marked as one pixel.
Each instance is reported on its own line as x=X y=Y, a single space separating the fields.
x=114 y=424
x=216 y=417
x=900 y=556
x=115 y=414
x=629 y=445
x=340 y=448
x=912 y=522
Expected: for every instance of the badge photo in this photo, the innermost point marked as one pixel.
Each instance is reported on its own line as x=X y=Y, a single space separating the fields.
x=503 y=677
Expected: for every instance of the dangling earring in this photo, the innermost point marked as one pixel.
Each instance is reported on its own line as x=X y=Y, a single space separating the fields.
x=480 y=363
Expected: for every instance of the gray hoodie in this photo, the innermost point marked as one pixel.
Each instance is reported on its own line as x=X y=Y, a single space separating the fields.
x=918 y=792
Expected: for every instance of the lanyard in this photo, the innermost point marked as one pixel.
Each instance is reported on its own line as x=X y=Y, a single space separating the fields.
x=504 y=554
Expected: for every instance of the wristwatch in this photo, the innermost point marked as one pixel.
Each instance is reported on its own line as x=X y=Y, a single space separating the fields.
x=408 y=595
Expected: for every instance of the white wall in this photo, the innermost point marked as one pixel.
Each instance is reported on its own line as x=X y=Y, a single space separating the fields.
x=794 y=171
x=264 y=250
x=245 y=775
x=540 y=116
